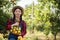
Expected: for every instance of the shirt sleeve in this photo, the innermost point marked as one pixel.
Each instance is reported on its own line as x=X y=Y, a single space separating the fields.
x=23 y=31
x=8 y=26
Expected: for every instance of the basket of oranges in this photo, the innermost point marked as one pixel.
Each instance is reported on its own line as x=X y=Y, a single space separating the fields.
x=15 y=30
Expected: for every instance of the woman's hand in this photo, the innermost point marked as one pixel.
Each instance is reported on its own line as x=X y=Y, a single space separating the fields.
x=15 y=24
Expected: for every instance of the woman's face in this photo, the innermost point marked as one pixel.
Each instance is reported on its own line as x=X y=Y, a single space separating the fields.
x=17 y=13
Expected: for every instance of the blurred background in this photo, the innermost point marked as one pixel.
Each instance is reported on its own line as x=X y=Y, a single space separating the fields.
x=42 y=18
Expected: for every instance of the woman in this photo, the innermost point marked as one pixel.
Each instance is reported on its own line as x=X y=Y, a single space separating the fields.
x=17 y=14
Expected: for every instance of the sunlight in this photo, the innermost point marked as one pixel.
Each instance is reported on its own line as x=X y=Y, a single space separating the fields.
x=26 y=2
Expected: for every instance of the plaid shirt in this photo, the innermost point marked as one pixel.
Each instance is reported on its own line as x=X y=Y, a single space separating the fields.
x=23 y=30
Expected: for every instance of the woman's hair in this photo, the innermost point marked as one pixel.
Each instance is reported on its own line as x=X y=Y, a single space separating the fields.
x=13 y=10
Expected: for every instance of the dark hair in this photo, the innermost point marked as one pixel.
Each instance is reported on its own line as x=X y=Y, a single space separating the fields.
x=13 y=10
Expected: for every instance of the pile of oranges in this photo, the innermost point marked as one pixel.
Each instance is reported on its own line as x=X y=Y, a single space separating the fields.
x=15 y=30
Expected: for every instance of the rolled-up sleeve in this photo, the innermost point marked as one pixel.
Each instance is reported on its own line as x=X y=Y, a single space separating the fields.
x=8 y=26
x=23 y=31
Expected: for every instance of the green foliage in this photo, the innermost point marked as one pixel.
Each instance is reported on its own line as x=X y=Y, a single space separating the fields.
x=3 y=20
x=40 y=15
x=5 y=10
x=45 y=16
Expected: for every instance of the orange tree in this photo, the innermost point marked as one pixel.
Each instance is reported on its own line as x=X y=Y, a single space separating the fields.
x=5 y=13
x=45 y=16
x=3 y=16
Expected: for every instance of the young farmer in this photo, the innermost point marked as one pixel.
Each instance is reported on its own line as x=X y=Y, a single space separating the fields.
x=16 y=21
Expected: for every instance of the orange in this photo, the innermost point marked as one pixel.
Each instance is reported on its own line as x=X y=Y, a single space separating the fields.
x=18 y=32
x=15 y=32
x=19 y=37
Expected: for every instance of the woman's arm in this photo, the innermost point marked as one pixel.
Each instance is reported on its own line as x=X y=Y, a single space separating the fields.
x=8 y=26
x=23 y=31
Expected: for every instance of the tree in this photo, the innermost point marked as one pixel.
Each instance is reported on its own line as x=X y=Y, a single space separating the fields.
x=46 y=16
x=55 y=20
x=5 y=13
